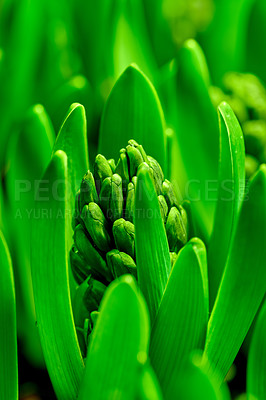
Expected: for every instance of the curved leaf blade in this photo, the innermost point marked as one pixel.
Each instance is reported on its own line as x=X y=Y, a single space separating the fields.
x=243 y=284
x=8 y=327
x=256 y=368
x=231 y=188
x=119 y=344
x=133 y=111
x=181 y=322
x=152 y=250
x=50 y=246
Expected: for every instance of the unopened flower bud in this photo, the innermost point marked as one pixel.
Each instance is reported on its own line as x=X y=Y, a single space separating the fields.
x=176 y=230
x=121 y=263
x=92 y=257
x=102 y=170
x=124 y=236
x=96 y=225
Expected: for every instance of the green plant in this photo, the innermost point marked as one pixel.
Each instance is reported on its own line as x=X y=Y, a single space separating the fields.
x=174 y=301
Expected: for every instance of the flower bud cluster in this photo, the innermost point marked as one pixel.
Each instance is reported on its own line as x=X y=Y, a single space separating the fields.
x=104 y=232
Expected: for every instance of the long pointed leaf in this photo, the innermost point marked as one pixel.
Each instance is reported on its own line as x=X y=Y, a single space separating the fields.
x=181 y=322
x=8 y=328
x=230 y=194
x=152 y=250
x=256 y=369
x=50 y=247
x=119 y=344
x=133 y=111
x=243 y=283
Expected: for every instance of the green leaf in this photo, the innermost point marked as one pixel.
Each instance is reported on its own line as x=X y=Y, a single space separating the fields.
x=133 y=111
x=231 y=188
x=195 y=382
x=152 y=250
x=193 y=115
x=243 y=283
x=256 y=368
x=119 y=344
x=29 y=153
x=8 y=328
x=72 y=139
x=181 y=322
x=51 y=241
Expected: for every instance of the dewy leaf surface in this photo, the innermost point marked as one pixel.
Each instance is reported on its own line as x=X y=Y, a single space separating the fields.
x=243 y=283
x=72 y=139
x=50 y=247
x=133 y=111
x=8 y=327
x=152 y=250
x=231 y=190
x=256 y=369
x=119 y=344
x=181 y=322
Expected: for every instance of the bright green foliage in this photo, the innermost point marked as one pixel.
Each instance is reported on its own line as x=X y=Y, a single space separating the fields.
x=243 y=283
x=8 y=328
x=118 y=347
x=256 y=369
x=50 y=280
x=152 y=251
x=181 y=322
